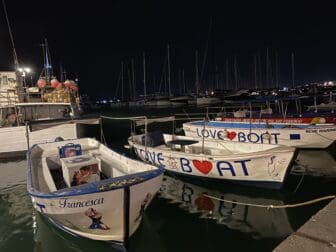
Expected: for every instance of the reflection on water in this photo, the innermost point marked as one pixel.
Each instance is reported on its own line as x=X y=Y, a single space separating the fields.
x=259 y=222
x=49 y=238
x=318 y=162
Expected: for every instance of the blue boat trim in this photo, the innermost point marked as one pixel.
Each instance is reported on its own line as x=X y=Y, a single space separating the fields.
x=247 y=125
x=95 y=187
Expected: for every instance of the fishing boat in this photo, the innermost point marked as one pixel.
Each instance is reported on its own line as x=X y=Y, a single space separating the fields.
x=24 y=123
x=42 y=113
x=88 y=190
x=303 y=135
x=261 y=165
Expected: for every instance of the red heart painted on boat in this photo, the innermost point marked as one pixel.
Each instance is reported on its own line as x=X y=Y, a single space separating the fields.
x=203 y=166
x=231 y=135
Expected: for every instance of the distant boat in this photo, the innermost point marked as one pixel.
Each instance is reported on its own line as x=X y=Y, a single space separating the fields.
x=90 y=191
x=261 y=165
x=180 y=100
x=236 y=95
x=330 y=106
x=207 y=100
x=158 y=101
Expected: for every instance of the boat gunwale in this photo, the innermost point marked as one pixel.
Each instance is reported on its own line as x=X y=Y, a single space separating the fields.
x=89 y=188
x=254 y=125
x=277 y=149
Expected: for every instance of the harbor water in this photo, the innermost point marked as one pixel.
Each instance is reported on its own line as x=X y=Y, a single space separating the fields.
x=180 y=218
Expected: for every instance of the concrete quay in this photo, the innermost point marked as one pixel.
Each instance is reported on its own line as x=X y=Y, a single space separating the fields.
x=317 y=234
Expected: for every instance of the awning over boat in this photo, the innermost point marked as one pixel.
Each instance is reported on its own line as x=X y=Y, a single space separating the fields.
x=153 y=120
x=39 y=125
x=142 y=120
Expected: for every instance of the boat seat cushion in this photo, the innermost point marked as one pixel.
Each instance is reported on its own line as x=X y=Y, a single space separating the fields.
x=70 y=150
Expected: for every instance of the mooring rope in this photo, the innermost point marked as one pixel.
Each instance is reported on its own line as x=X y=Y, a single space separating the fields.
x=309 y=202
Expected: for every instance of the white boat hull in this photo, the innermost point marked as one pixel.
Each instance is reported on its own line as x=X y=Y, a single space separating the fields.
x=266 y=168
x=312 y=137
x=109 y=209
x=68 y=213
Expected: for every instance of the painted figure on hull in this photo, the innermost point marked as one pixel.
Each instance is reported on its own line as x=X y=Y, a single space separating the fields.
x=96 y=217
x=86 y=174
x=144 y=204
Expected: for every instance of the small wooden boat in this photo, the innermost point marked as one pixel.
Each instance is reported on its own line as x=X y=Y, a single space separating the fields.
x=301 y=135
x=88 y=190
x=262 y=165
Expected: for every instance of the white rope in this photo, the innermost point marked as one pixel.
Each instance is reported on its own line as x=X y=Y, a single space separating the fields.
x=309 y=202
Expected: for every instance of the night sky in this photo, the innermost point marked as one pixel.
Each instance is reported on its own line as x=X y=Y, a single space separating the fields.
x=91 y=38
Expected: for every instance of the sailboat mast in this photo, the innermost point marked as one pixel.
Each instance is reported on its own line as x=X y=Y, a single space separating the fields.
x=183 y=81
x=196 y=73
x=168 y=61
x=129 y=84
x=236 y=72
x=276 y=70
x=133 y=80
x=16 y=61
x=255 y=71
x=144 y=74
x=293 y=72
x=267 y=77
x=46 y=61
x=227 y=74
x=122 y=81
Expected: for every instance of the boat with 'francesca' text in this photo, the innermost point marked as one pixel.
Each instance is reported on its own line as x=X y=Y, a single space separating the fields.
x=88 y=190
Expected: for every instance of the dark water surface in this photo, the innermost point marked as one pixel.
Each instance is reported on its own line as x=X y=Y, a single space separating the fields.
x=180 y=218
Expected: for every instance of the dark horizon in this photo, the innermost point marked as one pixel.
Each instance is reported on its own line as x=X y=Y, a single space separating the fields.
x=92 y=40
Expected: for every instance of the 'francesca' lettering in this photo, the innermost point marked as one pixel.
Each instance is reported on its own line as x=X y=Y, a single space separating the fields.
x=66 y=203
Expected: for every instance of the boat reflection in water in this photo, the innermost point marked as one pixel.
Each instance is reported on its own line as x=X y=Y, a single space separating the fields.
x=259 y=222
x=49 y=238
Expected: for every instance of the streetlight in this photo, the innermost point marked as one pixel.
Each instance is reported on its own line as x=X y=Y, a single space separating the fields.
x=24 y=71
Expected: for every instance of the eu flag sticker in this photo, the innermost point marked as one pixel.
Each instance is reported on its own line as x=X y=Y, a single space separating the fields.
x=294 y=136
